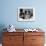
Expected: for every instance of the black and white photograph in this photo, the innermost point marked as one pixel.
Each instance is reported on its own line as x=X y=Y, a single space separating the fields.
x=26 y=14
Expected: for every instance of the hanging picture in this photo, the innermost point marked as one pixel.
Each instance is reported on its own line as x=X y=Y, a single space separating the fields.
x=26 y=14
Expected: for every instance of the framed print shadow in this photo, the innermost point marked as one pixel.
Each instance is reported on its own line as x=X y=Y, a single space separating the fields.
x=26 y=14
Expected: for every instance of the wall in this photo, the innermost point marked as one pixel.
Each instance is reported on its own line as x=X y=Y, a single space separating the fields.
x=9 y=13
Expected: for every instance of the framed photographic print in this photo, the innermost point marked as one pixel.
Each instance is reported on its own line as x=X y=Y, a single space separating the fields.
x=26 y=14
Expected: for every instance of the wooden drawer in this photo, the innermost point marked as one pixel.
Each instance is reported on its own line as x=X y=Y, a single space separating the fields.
x=34 y=33
x=12 y=39
x=33 y=40
x=37 y=45
x=37 y=39
x=27 y=41
x=12 y=44
x=13 y=33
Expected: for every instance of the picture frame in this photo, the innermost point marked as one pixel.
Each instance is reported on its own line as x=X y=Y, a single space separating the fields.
x=26 y=14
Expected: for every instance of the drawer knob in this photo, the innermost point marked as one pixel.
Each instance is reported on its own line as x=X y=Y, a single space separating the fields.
x=33 y=39
x=11 y=38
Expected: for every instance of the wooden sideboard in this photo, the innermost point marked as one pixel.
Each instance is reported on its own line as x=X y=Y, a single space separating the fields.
x=23 y=39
